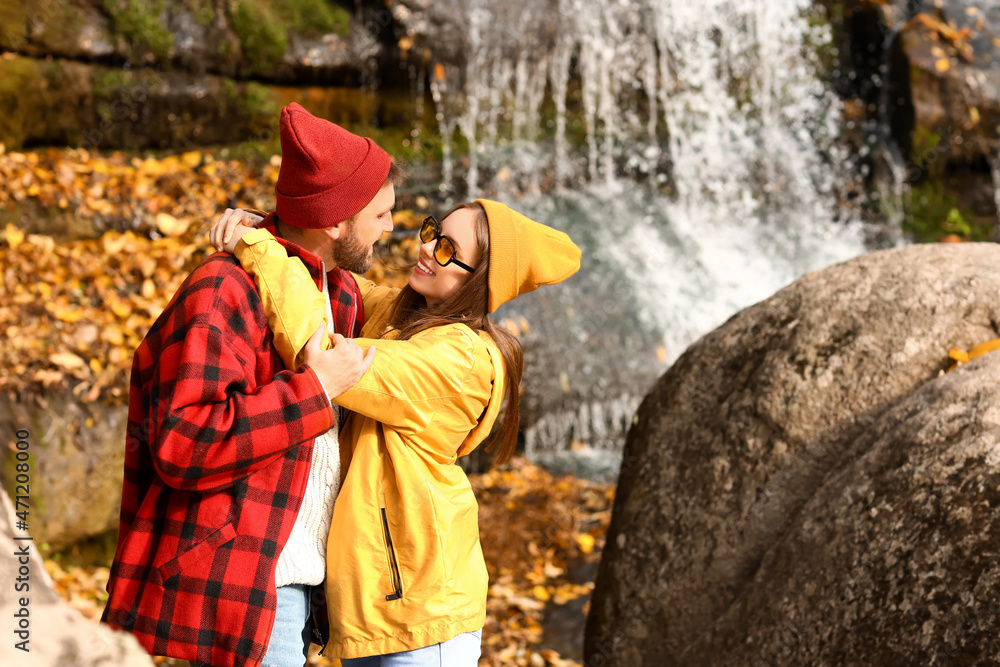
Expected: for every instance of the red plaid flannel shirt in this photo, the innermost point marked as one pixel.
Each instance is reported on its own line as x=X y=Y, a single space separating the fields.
x=217 y=454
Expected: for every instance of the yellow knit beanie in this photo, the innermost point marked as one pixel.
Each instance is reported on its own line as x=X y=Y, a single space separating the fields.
x=524 y=254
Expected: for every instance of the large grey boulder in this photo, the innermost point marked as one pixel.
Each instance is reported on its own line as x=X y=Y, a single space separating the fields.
x=782 y=492
x=56 y=633
x=896 y=558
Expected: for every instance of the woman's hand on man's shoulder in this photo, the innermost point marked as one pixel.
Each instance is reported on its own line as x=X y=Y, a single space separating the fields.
x=230 y=226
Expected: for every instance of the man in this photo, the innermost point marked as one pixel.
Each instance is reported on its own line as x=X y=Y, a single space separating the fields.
x=232 y=461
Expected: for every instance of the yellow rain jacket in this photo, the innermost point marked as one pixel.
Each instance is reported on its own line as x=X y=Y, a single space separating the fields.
x=404 y=565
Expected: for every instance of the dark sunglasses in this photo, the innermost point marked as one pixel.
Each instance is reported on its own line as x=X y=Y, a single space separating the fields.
x=444 y=250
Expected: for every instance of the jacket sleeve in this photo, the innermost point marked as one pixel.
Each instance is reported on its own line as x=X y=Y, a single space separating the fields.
x=410 y=380
x=294 y=307
x=209 y=431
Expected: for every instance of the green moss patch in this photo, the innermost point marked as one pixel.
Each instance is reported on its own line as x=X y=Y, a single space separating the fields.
x=263 y=27
x=264 y=41
x=934 y=213
x=139 y=22
x=202 y=10
x=17 y=75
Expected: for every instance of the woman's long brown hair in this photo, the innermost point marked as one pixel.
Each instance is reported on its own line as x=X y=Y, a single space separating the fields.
x=469 y=305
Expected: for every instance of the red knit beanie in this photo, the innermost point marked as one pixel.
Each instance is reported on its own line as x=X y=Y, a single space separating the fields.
x=327 y=173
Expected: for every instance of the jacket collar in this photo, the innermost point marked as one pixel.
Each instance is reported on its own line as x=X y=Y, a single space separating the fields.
x=348 y=311
x=313 y=262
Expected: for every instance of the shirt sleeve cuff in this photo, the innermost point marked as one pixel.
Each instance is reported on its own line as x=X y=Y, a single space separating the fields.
x=308 y=369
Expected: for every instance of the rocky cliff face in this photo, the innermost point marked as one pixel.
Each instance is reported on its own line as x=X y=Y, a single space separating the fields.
x=801 y=487
x=282 y=42
x=953 y=55
x=172 y=73
x=951 y=60
x=923 y=76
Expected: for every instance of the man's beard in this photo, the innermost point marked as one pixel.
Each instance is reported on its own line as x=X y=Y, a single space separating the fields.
x=352 y=254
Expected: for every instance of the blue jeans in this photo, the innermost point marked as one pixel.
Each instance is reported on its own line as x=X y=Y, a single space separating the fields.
x=288 y=645
x=460 y=651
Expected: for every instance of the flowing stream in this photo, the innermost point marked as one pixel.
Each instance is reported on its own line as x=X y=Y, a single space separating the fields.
x=690 y=148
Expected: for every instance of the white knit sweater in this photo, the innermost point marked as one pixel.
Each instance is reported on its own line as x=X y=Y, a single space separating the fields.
x=303 y=560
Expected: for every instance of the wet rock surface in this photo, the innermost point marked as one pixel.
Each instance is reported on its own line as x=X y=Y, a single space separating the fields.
x=97 y=107
x=930 y=70
x=921 y=84
x=802 y=487
x=954 y=70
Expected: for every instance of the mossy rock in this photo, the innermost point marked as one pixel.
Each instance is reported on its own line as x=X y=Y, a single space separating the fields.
x=63 y=28
x=60 y=102
x=251 y=37
x=141 y=23
x=934 y=213
x=264 y=28
x=14 y=20
x=77 y=454
x=16 y=76
x=43 y=101
x=151 y=109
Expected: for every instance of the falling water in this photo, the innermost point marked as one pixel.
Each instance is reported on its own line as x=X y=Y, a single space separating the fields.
x=690 y=148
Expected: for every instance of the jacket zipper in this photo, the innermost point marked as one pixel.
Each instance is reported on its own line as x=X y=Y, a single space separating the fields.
x=397 y=582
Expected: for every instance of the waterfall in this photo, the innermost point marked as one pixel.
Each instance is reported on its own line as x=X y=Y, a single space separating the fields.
x=690 y=148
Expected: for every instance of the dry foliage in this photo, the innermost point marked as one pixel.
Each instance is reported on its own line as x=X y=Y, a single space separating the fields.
x=532 y=527
x=74 y=311
x=947 y=33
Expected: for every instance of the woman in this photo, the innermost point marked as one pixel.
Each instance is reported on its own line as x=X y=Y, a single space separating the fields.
x=406 y=579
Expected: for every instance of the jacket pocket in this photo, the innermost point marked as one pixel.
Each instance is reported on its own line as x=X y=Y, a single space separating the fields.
x=200 y=552
x=394 y=578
